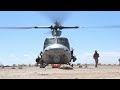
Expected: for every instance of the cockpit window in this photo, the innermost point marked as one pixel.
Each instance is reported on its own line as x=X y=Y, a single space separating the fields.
x=62 y=41
x=49 y=41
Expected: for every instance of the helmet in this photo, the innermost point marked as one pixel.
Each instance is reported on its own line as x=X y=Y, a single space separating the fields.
x=95 y=50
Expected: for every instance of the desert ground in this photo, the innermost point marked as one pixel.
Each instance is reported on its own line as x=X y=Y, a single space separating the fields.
x=89 y=72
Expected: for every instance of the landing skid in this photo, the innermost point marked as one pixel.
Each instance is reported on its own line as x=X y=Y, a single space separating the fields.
x=43 y=65
x=70 y=64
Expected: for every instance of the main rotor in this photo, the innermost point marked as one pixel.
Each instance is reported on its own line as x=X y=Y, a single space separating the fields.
x=55 y=30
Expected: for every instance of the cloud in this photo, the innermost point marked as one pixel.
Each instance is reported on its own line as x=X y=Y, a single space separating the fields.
x=105 y=57
x=28 y=58
x=0 y=60
x=110 y=54
x=26 y=55
x=12 y=55
x=14 y=58
x=86 y=57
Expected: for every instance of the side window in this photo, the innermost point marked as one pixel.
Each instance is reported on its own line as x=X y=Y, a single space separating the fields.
x=45 y=43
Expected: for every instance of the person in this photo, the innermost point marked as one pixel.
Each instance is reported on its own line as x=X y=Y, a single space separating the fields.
x=119 y=61
x=37 y=61
x=72 y=52
x=72 y=56
x=96 y=56
x=41 y=54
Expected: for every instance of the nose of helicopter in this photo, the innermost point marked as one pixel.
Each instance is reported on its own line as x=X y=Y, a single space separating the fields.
x=56 y=53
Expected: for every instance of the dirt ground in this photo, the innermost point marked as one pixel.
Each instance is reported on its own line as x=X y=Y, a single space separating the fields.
x=89 y=72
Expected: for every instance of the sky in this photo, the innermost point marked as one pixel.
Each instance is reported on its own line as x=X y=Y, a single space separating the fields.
x=23 y=46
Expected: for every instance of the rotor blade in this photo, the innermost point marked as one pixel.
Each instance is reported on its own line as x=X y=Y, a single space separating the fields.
x=62 y=27
x=44 y=27
x=36 y=27
x=16 y=27
x=110 y=26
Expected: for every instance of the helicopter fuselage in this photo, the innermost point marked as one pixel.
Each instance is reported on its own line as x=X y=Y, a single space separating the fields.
x=56 y=51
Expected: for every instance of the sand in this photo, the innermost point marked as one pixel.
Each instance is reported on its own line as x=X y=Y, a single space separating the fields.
x=89 y=72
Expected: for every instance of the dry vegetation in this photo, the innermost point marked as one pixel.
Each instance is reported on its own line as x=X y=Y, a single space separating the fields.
x=78 y=72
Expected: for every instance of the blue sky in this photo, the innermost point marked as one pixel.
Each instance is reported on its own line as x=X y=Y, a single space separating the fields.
x=23 y=46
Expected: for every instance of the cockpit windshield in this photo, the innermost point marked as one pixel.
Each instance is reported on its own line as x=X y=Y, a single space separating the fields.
x=62 y=41
x=49 y=41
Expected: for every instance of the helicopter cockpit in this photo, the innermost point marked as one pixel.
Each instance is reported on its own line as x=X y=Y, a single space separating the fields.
x=61 y=40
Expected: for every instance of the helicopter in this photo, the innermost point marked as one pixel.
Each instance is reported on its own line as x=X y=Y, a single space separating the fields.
x=56 y=49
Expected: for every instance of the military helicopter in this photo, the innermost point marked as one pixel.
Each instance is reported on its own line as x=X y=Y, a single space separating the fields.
x=56 y=50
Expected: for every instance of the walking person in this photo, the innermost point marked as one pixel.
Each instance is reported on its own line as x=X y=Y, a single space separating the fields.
x=96 y=56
